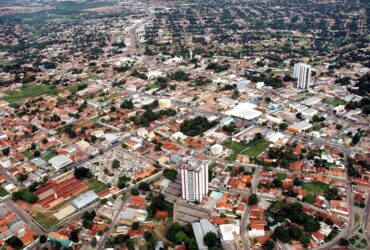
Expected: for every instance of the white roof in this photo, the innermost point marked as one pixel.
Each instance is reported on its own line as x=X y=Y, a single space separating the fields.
x=60 y=161
x=227 y=232
x=244 y=110
x=303 y=125
x=312 y=100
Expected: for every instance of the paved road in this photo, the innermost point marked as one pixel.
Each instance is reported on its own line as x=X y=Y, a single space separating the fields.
x=366 y=220
x=112 y=225
x=9 y=177
x=23 y=215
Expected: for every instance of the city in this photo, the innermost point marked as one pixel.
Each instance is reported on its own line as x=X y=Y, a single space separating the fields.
x=184 y=124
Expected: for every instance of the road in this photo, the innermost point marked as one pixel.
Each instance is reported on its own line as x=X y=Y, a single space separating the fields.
x=10 y=178
x=112 y=225
x=366 y=220
x=23 y=216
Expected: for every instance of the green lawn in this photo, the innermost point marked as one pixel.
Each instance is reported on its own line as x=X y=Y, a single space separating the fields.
x=47 y=220
x=315 y=187
x=96 y=185
x=153 y=86
x=110 y=97
x=29 y=91
x=95 y=119
x=48 y=156
x=253 y=148
x=3 y=192
x=281 y=176
x=357 y=218
x=28 y=154
x=335 y=101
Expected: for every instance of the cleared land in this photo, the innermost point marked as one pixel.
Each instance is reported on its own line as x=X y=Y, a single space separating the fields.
x=253 y=148
x=27 y=91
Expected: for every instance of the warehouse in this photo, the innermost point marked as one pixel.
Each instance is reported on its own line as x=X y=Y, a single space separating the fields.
x=84 y=200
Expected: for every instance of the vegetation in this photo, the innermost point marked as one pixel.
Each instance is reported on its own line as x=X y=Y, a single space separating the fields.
x=170 y=174
x=196 y=126
x=26 y=195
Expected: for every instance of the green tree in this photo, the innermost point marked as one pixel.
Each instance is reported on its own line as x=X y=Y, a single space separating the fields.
x=115 y=164
x=172 y=231
x=170 y=174
x=283 y=126
x=210 y=239
x=282 y=234
x=253 y=200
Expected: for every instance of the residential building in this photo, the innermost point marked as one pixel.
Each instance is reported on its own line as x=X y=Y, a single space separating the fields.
x=194 y=179
x=302 y=72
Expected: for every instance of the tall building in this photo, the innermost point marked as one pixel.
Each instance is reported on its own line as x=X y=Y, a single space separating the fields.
x=194 y=180
x=302 y=72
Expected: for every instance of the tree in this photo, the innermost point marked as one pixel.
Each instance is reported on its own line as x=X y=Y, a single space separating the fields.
x=135 y=191
x=196 y=126
x=26 y=195
x=15 y=242
x=170 y=174
x=282 y=234
x=94 y=241
x=127 y=104
x=82 y=172
x=210 y=239
x=6 y=151
x=73 y=236
x=181 y=237
x=135 y=226
x=172 y=231
x=283 y=126
x=268 y=245
x=343 y=242
x=115 y=164
x=43 y=239
x=253 y=200
x=144 y=186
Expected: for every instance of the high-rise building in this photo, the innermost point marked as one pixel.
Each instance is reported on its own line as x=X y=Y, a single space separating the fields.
x=194 y=180
x=302 y=72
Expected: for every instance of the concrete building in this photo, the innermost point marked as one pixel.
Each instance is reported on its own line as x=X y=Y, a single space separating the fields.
x=302 y=72
x=194 y=179
x=85 y=200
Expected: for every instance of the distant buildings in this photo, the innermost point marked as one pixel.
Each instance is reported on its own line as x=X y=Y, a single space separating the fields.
x=302 y=72
x=194 y=179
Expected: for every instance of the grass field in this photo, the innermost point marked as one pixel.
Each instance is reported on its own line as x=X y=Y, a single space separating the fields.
x=315 y=187
x=357 y=218
x=3 y=192
x=335 y=101
x=28 y=154
x=95 y=119
x=27 y=91
x=253 y=148
x=47 y=220
x=49 y=155
x=96 y=185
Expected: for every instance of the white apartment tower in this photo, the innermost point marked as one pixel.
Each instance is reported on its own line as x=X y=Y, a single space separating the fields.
x=194 y=180
x=302 y=72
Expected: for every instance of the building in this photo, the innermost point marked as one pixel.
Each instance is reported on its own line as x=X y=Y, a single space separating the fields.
x=302 y=72
x=194 y=180
x=59 y=238
x=200 y=229
x=60 y=161
x=85 y=199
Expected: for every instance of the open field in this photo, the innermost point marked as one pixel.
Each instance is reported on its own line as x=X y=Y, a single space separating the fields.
x=96 y=185
x=27 y=91
x=253 y=148
x=47 y=220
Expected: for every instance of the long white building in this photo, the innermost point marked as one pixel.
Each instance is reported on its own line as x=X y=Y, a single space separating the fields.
x=302 y=72
x=194 y=180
